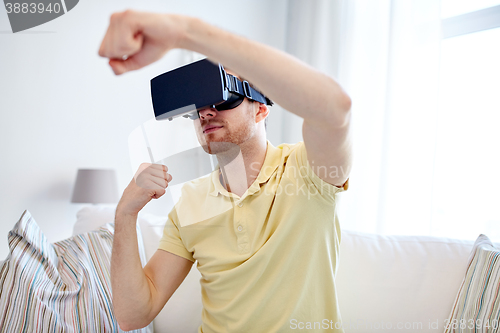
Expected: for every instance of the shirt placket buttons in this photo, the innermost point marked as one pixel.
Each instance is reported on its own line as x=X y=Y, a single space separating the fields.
x=242 y=238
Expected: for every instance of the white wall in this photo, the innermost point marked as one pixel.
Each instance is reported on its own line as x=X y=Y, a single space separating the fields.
x=62 y=108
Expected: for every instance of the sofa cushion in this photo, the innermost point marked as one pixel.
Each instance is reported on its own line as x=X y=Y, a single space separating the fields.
x=59 y=287
x=477 y=305
x=407 y=283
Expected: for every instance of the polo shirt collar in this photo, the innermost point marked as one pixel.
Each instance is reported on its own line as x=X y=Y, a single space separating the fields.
x=271 y=163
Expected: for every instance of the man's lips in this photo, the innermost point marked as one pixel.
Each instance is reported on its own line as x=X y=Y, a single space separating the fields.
x=211 y=128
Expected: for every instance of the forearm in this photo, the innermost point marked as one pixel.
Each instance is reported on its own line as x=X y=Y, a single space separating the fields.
x=131 y=291
x=292 y=84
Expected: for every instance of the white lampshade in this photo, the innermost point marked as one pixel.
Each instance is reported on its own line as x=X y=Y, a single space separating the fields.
x=96 y=186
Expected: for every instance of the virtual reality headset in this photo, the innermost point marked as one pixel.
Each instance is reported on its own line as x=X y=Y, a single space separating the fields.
x=186 y=90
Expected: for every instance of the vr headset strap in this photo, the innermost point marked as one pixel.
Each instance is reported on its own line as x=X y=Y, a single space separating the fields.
x=234 y=85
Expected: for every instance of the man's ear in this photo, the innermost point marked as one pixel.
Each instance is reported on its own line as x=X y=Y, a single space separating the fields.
x=261 y=113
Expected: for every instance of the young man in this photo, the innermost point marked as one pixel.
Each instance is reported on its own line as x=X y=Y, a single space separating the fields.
x=269 y=254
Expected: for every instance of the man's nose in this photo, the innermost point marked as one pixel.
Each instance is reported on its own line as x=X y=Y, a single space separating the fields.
x=208 y=112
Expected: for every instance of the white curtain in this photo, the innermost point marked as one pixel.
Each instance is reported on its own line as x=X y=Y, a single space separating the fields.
x=313 y=35
x=386 y=55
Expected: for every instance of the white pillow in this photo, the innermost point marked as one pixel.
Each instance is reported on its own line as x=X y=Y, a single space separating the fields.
x=93 y=217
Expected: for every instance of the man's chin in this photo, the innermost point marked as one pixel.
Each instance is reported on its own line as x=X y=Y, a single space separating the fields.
x=216 y=147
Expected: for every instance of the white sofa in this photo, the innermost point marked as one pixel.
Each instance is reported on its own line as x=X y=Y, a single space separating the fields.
x=399 y=283
x=396 y=283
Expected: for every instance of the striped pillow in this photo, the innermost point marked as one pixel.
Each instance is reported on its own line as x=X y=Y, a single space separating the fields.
x=477 y=306
x=60 y=287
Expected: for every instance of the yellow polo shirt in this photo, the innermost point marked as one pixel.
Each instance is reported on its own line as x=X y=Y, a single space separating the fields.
x=267 y=259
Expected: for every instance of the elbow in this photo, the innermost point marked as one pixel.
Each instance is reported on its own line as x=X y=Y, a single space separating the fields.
x=131 y=314
x=342 y=101
x=346 y=120
x=346 y=102
x=339 y=106
x=127 y=322
x=125 y=326
x=130 y=326
x=341 y=113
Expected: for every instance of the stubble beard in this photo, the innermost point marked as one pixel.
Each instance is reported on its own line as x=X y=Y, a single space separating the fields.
x=229 y=143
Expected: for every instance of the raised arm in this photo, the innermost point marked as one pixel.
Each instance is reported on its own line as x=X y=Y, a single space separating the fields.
x=292 y=84
x=143 y=38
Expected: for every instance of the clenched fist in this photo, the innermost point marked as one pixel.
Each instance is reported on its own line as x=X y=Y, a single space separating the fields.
x=136 y=39
x=149 y=182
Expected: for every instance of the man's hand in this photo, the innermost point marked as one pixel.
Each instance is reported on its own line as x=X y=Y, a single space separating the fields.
x=149 y=182
x=136 y=39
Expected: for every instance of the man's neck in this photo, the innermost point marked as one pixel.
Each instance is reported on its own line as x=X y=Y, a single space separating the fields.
x=241 y=166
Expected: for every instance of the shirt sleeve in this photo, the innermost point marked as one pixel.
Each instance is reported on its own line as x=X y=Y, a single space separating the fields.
x=171 y=240
x=324 y=188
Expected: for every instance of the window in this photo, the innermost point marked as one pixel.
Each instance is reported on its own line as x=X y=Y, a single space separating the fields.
x=466 y=189
x=451 y=8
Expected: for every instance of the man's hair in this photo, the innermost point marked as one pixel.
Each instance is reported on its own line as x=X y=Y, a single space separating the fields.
x=251 y=85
